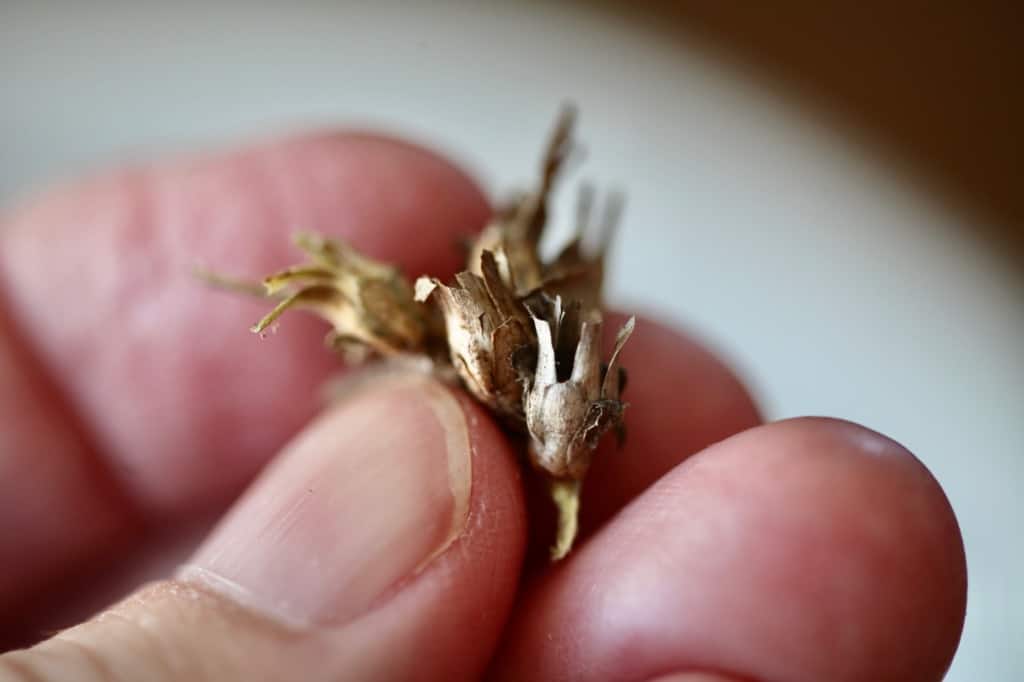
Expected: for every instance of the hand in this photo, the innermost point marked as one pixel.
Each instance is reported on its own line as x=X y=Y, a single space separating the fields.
x=386 y=540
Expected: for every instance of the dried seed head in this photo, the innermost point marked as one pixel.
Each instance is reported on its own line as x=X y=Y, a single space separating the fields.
x=571 y=402
x=565 y=493
x=577 y=273
x=489 y=336
x=369 y=304
x=515 y=232
x=523 y=335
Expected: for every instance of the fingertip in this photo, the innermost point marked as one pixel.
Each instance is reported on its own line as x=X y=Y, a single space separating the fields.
x=802 y=550
x=446 y=623
x=338 y=563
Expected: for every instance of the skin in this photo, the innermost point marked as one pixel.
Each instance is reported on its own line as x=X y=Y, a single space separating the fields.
x=136 y=410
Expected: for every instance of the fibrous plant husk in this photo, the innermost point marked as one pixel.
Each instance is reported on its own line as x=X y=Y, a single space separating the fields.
x=521 y=334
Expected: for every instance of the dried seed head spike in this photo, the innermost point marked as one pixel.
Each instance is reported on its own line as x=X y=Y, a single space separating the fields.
x=312 y=298
x=335 y=255
x=228 y=283
x=566 y=416
x=584 y=208
x=614 y=203
x=577 y=273
x=523 y=335
x=487 y=329
x=558 y=150
x=530 y=214
x=611 y=386
x=366 y=302
x=515 y=233
x=559 y=409
x=305 y=274
x=566 y=495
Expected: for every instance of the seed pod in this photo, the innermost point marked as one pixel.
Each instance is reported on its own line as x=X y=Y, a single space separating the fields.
x=569 y=406
x=515 y=232
x=369 y=304
x=489 y=336
x=521 y=334
x=577 y=273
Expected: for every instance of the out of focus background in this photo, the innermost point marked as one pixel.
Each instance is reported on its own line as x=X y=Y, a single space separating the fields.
x=832 y=197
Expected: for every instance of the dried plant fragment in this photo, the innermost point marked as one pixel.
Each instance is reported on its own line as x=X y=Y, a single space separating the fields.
x=369 y=304
x=577 y=273
x=515 y=232
x=521 y=334
x=488 y=333
x=565 y=492
x=570 y=405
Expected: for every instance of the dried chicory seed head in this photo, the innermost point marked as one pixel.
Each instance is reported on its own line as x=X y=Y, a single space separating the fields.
x=573 y=399
x=369 y=304
x=515 y=232
x=489 y=336
x=577 y=272
x=522 y=335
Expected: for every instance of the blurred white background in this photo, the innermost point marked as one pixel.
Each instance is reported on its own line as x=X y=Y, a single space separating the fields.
x=833 y=283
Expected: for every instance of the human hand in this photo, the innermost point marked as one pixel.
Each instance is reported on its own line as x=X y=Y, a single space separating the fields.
x=386 y=541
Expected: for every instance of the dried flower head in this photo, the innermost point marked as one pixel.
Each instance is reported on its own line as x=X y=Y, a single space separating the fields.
x=572 y=401
x=523 y=335
x=573 y=398
x=515 y=233
x=489 y=334
x=369 y=304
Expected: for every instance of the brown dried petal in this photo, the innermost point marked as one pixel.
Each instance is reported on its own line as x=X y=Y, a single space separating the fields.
x=521 y=334
x=567 y=414
x=557 y=411
x=577 y=273
x=567 y=417
x=487 y=331
x=515 y=233
x=565 y=493
x=367 y=303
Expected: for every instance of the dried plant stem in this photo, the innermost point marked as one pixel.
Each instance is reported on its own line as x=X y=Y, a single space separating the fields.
x=566 y=495
x=226 y=283
x=521 y=334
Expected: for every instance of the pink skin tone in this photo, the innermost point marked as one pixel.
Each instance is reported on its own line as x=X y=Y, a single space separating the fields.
x=137 y=400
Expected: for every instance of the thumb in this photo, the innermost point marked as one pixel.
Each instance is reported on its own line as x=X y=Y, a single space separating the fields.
x=383 y=543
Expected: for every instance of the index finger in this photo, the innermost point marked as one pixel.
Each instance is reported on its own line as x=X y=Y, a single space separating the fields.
x=177 y=403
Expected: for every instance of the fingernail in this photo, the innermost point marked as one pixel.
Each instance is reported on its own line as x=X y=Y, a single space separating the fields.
x=366 y=496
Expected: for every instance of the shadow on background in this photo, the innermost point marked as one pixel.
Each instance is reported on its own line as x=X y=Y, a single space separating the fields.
x=938 y=86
